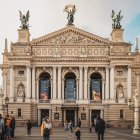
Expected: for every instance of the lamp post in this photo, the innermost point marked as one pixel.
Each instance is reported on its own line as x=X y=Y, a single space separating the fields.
x=7 y=102
x=134 y=103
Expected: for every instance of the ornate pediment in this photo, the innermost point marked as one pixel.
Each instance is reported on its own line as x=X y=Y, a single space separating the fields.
x=70 y=36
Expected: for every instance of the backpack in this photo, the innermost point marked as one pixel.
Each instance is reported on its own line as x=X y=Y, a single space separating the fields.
x=46 y=132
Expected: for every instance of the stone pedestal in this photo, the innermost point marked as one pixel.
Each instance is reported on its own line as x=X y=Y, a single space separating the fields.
x=23 y=35
x=117 y=35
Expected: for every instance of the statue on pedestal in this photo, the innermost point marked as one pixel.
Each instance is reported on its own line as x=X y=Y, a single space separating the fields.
x=24 y=20
x=70 y=9
x=116 y=20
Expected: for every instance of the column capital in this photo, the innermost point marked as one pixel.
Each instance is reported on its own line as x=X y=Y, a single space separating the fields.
x=112 y=66
x=54 y=67
x=33 y=66
x=107 y=67
x=80 y=67
x=59 y=67
x=28 y=66
x=129 y=66
x=85 y=67
x=11 y=66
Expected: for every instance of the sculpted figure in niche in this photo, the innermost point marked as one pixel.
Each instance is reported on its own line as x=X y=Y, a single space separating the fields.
x=20 y=91
x=120 y=93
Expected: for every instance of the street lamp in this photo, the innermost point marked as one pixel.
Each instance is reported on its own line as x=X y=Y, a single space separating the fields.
x=134 y=103
x=7 y=102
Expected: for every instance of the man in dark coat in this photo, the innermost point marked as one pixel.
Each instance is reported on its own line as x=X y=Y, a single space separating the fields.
x=100 y=128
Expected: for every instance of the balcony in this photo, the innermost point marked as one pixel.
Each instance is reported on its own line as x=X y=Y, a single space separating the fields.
x=44 y=101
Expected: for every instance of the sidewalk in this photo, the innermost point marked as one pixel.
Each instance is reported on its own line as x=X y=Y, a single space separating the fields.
x=59 y=134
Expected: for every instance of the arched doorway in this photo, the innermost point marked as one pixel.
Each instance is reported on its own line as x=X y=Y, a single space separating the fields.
x=96 y=87
x=44 y=86
x=70 y=86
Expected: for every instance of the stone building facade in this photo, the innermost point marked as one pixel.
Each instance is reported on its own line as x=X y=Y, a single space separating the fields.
x=70 y=74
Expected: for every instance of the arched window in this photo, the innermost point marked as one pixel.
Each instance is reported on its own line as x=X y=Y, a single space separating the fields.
x=96 y=87
x=44 y=86
x=70 y=86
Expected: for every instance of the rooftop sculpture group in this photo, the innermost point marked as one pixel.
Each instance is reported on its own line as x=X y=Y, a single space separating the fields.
x=70 y=9
x=116 y=20
x=24 y=20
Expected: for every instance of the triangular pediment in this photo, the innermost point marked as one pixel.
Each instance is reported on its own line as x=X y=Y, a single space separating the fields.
x=70 y=36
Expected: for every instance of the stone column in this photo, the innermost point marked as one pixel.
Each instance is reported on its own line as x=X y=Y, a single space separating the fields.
x=103 y=90
x=63 y=89
x=85 y=82
x=59 y=82
x=51 y=88
x=102 y=113
x=1 y=101
x=136 y=113
x=54 y=82
x=81 y=83
x=138 y=81
x=112 y=83
x=107 y=84
x=39 y=116
x=77 y=89
x=89 y=89
x=11 y=82
x=33 y=82
x=28 y=82
x=4 y=82
x=129 y=81
x=37 y=88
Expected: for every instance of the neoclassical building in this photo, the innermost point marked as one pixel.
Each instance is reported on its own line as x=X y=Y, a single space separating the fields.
x=70 y=74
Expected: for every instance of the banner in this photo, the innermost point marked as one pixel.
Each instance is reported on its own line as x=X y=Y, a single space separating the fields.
x=96 y=90
x=44 y=89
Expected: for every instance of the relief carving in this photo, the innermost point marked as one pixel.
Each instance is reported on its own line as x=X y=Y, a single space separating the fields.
x=70 y=38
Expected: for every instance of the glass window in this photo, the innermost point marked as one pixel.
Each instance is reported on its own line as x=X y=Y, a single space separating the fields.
x=45 y=87
x=19 y=112
x=121 y=114
x=70 y=89
x=96 y=87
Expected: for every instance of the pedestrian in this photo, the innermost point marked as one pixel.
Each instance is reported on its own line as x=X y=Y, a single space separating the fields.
x=29 y=127
x=12 y=127
x=79 y=123
x=2 y=127
x=78 y=133
x=70 y=125
x=8 y=127
x=66 y=125
x=100 y=128
x=90 y=127
x=46 y=129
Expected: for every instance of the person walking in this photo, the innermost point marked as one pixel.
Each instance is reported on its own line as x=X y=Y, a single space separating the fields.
x=2 y=127
x=46 y=129
x=79 y=123
x=13 y=122
x=29 y=127
x=100 y=128
x=78 y=133
x=66 y=125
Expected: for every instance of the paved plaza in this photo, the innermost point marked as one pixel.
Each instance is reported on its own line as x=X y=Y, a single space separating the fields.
x=60 y=134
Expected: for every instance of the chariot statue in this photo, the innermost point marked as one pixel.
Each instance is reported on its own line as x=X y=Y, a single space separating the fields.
x=116 y=20
x=70 y=9
x=24 y=20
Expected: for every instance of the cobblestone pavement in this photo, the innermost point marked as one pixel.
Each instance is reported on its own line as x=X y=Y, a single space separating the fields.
x=60 y=134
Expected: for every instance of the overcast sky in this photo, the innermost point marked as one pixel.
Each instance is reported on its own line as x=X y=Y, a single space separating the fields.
x=47 y=16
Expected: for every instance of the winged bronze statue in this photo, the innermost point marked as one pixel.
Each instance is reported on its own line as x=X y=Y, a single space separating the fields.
x=24 y=20
x=70 y=9
x=116 y=20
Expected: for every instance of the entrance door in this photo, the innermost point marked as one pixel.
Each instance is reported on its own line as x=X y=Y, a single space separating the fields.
x=70 y=115
x=44 y=113
x=94 y=115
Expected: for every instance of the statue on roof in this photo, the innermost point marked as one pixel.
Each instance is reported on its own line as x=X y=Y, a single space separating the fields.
x=116 y=20
x=24 y=20
x=70 y=9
